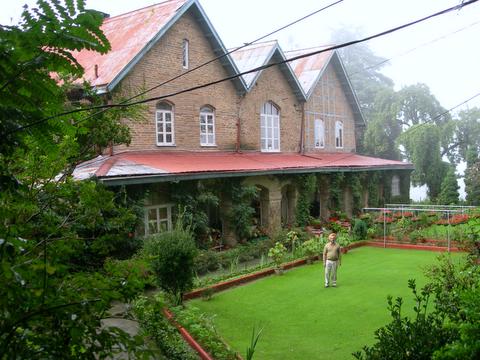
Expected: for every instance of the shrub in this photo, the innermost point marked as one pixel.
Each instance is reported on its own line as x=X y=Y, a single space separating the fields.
x=133 y=276
x=172 y=256
x=277 y=253
x=359 y=230
x=202 y=329
x=167 y=338
x=313 y=247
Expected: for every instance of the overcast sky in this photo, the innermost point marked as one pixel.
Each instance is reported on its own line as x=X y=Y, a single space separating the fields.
x=446 y=58
x=446 y=53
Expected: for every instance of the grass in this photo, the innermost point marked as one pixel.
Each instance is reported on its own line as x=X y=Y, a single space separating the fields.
x=304 y=320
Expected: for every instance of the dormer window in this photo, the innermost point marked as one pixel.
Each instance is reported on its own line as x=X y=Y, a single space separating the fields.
x=270 y=128
x=338 y=134
x=185 y=54
x=164 y=124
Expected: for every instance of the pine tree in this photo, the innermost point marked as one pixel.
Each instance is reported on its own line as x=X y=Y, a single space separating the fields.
x=449 y=188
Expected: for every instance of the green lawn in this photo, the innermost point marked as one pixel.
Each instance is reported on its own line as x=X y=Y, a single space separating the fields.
x=304 y=320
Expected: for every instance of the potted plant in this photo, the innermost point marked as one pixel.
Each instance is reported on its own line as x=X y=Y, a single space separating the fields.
x=277 y=253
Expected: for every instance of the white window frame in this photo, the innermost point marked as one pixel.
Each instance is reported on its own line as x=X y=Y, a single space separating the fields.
x=395 y=189
x=161 y=123
x=185 y=53
x=167 y=221
x=207 y=126
x=269 y=128
x=339 y=134
x=319 y=134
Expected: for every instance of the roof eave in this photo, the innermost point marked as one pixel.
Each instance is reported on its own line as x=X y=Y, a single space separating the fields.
x=156 y=178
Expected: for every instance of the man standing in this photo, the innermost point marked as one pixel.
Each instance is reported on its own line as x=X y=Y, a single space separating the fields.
x=331 y=259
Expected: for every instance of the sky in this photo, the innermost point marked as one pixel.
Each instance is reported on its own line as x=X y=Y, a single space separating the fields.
x=443 y=52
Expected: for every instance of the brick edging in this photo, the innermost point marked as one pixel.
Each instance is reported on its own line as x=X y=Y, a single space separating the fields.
x=186 y=335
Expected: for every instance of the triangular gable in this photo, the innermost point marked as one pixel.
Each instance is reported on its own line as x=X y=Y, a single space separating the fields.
x=133 y=34
x=260 y=54
x=309 y=70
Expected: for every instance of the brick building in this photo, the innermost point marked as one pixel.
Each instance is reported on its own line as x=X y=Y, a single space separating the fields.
x=265 y=128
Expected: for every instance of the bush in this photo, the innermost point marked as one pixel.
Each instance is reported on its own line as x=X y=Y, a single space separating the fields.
x=156 y=326
x=202 y=329
x=359 y=230
x=277 y=253
x=314 y=246
x=133 y=276
x=172 y=256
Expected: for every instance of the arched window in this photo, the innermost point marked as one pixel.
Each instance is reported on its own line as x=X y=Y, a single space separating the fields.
x=207 y=126
x=395 y=185
x=338 y=134
x=319 y=134
x=270 y=127
x=165 y=124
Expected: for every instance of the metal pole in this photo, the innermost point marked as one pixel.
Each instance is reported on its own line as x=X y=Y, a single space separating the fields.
x=384 y=230
x=448 y=231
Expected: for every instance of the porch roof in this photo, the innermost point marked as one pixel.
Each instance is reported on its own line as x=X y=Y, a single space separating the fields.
x=156 y=166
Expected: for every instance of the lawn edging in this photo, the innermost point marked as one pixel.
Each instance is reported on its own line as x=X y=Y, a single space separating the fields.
x=186 y=335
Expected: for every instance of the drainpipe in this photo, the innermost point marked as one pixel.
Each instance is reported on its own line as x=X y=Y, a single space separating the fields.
x=238 y=124
x=237 y=144
x=302 y=130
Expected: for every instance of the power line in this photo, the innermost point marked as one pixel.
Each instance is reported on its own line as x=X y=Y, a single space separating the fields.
x=156 y=98
x=415 y=48
x=218 y=57
x=429 y=121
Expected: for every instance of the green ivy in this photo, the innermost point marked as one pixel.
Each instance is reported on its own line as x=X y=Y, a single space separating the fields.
x=306 y=185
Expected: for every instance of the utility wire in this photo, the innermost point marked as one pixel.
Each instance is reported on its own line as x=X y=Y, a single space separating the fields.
x=353 y=42
x=413 y=49
x=208 y=62
x=413 y=129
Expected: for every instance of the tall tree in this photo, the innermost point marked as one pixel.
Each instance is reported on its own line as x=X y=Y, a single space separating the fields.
x=47 y=308
x=363 y=67
x=422 y=148
x=383 y=128
x=449 y=189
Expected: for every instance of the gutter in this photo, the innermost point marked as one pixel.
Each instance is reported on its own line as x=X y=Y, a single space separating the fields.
x=156 y=178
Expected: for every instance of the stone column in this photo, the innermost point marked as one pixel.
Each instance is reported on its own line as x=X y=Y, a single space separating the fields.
x=324 y=195
x=275 y=210
x=228 y=232
x=348 y=202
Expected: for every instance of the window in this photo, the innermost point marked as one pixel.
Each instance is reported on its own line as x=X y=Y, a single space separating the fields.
x=395 y=185
x=207 y=126
x=338 y=134
x=185 y=54
x=158 y=218
x=319 y=134
x=164 y=124
x=270 y=127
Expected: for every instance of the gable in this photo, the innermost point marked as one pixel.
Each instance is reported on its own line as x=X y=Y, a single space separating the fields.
x=133 y=34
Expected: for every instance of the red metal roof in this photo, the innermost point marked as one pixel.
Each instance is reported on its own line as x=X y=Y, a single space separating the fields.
x=178 y=163
x=308 y=69
x=128 y=34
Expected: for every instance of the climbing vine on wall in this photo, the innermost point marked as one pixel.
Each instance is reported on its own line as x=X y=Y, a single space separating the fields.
x=241 y=212
x=354 y=182
x=306 y=185
x=336 y=190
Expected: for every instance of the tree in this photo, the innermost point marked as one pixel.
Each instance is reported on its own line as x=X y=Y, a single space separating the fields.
x=384 y=128
x=472 y=184
x=422 y=148
x=449 y=189
x=363 y=67
x=49 y=309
